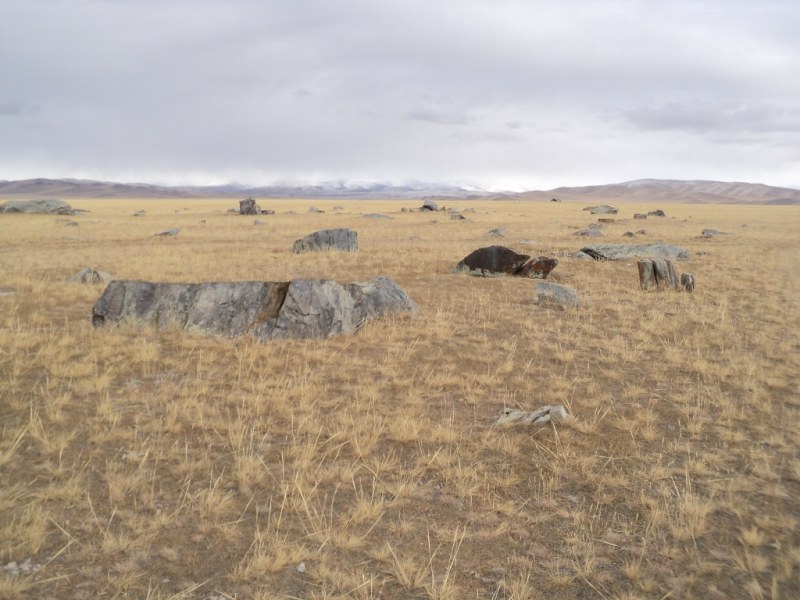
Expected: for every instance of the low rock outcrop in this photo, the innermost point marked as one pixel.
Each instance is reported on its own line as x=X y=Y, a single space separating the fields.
x=267 y=310
x=603 y=209
x=626 y=251
x=327 y=239
x=709 y=233
x=499 y=260
x=556 y=295
x=51 y=206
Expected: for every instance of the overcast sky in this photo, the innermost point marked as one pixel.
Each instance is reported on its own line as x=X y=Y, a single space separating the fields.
x=497 y=94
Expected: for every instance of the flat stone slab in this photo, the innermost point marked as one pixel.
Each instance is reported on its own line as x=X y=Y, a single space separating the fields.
x=267 y=310
x=51 y=206
x=603 y=209
x=327 y=239
x=629 y=251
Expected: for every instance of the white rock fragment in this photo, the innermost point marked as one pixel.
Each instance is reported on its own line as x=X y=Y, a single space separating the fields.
x=556 y=413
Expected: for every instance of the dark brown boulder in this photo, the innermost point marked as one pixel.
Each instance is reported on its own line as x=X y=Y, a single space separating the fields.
x=499 y=260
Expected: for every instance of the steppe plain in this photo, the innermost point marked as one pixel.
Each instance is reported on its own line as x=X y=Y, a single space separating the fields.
x=137 y=463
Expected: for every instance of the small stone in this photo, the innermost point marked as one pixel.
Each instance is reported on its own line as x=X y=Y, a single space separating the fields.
x=301 y=568
x=556 y=295
x=657 y=213
x=628 y=234
x=708 y=233
x=497 y=232
x=168 y=232
x=314 y=209
x=639 y=216
x=687 y=281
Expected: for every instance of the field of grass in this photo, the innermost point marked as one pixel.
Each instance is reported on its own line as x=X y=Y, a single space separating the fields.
x=163 y=464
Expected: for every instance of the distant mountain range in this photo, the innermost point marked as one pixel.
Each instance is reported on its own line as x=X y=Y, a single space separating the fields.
x=640 y=190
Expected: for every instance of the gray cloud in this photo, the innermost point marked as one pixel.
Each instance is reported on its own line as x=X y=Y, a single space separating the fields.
x=491 y=92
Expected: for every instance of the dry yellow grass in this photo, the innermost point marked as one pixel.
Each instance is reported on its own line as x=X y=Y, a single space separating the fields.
x=147 y=464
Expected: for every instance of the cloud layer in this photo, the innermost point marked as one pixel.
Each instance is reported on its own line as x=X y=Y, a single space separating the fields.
x=497 y=94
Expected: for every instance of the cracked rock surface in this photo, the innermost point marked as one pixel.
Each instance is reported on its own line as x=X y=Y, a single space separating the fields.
x=302 y=308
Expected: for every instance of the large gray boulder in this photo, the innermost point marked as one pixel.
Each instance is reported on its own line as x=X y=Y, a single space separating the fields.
x=499 y=260
x=303 y=308
x=327 y=239
x=50 y=206
x=248 y=206
x=629 y=251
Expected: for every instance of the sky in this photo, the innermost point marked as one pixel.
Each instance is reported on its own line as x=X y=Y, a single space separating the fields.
x=489 y=94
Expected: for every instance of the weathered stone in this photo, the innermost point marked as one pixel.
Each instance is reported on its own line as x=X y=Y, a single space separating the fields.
x=656 y=213
x=538 y=268
x=90 y=276
x=674 y=277
x=248 y=206
x=428 y=204
x=658 y=273
x=303 y=308
x=687 y=281
x=167 y=232
x=606 y=220
x=707 y=233
x=661 y=270
x=647 y=277
x=314 y=209
x=328 y=239
x=626 y=251
x=603 y=209
x=139 y=213
x=640 y=216
x=50 y=206
x=268 y=211
x=555 y=200
x=556 y=295
x=499 y=260
x=555 y=413
x=379 y=216
x=628 y=234
x=457 y=217
x=589 y=232
x=497 y=232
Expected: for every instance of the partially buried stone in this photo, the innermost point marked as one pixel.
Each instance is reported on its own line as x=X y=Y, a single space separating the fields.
x=687 y=281
x=556 y=295
x=90 y=276
x=327 y=239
